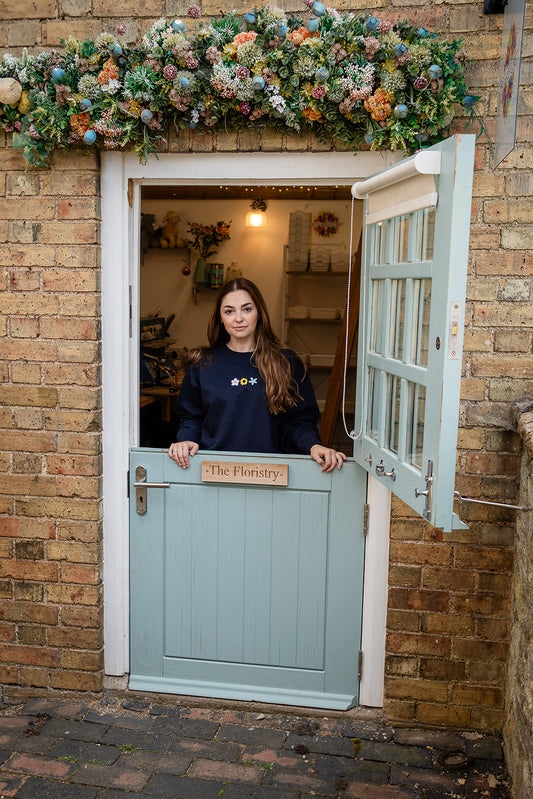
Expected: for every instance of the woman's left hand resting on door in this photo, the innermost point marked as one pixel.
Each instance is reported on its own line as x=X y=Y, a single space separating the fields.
x=180 y=452
x=326 y=457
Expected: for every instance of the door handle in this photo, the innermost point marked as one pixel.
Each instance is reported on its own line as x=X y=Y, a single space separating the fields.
x=140 y=485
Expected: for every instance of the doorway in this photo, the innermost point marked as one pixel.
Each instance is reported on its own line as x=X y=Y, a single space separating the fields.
x=123 y=179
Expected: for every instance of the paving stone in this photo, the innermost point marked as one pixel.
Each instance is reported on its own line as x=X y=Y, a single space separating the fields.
x=135 y=705
x=36 y=744
x=216 y=750
x=183 y=787
x=164 y=710
x=80 y=751
x=227 y=772
x=154 y=763
x=4 y=754
x=358 y=790
x=74 y=730
x=10 y=784
x=260 y=736
x=12 y=723
x=185 y=727
x=325 y=744
x=426 y=777
x=39 y=766
x=124 y=721
x=111 y=777
x=395 y=753
x=367 y=731
x=111 y=793
x=435 y=738
x=36 y=788
x=323 y=784
x=488 y=748
x=364 y=770
x=244 y=792
x=282 y=757
x=55 y=707
x=118 y=736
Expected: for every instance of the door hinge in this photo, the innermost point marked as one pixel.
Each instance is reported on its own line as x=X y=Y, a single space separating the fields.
x=130 y=297
x=360 y=665
x=366 y=511
x=128 y=482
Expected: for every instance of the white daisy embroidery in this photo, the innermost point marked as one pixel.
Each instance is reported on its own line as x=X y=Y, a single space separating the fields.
x=235 y=381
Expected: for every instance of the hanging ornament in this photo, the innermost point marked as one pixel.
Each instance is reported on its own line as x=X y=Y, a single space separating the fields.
x=186 y=270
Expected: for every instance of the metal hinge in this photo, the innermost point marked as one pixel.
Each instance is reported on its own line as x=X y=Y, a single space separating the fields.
x=130 y=296
x=128 y=482
x=366 y=511
x=360 y=665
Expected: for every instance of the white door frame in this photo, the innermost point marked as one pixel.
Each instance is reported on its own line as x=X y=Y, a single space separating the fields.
x=122 y=178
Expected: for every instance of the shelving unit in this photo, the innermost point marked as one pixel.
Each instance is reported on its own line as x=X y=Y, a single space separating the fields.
x=313 y=312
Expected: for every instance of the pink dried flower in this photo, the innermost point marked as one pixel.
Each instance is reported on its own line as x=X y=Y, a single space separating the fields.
x=420 y=83
x=309 y=2
x=194 y=12
x=242 y=72
x=18 y=125
x=212 y=54
x=385 y=26
x=372 y=46
x=245 y=108
x=318 y=92
x=191 y=62
x=170 y=72
x=33 y=132
x=121 y=29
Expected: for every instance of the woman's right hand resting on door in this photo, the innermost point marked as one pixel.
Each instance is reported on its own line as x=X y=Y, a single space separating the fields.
x=180 y=452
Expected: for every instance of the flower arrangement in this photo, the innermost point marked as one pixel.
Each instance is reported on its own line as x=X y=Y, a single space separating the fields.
x=326 y=224
x=204 y=237
x=351 y=78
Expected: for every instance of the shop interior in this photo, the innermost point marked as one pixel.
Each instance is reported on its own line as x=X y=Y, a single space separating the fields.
x=293 y=242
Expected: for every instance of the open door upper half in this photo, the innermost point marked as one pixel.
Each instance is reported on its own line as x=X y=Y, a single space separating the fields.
x=413 y=285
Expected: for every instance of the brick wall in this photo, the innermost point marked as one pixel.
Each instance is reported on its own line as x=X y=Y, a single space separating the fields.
x=449 y=600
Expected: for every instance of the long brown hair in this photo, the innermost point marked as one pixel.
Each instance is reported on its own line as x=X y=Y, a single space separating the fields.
x=273 y=366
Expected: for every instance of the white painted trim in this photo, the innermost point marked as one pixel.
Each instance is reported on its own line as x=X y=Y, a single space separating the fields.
x=120 y=257
x=375 y=594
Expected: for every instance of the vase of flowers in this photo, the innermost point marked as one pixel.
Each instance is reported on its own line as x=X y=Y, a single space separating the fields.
x=206 y=239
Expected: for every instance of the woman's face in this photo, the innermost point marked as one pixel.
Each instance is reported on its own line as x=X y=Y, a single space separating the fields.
x=239 y=316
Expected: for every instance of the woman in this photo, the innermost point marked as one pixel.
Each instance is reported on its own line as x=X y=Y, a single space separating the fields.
x=244 y=393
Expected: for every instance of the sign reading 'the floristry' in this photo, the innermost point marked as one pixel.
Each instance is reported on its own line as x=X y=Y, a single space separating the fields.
x=273 y=474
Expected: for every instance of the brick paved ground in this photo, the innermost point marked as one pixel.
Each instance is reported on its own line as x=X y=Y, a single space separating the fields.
x=120 y=748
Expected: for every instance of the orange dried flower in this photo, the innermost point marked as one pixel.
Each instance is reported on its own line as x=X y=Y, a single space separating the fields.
x=378 y=105
x=80 y=123
x=297 y=37
x=246 y=36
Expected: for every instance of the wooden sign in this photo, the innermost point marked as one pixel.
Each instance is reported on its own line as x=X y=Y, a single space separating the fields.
x=270 y=474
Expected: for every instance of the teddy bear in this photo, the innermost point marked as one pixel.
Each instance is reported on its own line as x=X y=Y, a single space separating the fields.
x=169 y=235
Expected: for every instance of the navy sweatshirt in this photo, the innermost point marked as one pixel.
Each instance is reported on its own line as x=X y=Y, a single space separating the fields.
x=222 y=406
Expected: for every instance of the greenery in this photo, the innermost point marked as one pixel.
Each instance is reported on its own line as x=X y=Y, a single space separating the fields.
x=349 y=78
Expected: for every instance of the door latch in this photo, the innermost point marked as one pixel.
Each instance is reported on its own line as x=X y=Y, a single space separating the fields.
x=428 y=493
x=140 y=485
x=380 y=471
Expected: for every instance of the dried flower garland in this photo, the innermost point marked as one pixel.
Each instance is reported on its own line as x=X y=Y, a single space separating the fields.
x=351 y=78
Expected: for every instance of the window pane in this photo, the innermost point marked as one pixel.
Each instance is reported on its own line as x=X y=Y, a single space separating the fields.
x=416 y=395
x=397 y=319
x=402 y=254
x=376 y=333
x=424 y=305
x=392 y=420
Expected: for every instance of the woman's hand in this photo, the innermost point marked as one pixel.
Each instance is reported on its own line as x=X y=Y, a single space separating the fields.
x=326 y=457
x=180 y=452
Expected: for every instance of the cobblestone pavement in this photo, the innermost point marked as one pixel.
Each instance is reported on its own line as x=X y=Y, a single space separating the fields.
x=117 y=748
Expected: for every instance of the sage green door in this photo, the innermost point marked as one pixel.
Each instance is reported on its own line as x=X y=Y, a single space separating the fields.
x=247 y=592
